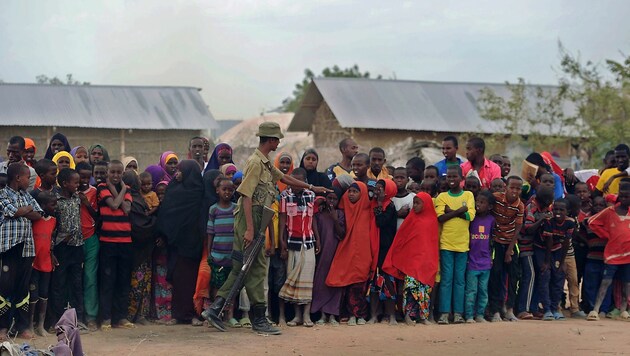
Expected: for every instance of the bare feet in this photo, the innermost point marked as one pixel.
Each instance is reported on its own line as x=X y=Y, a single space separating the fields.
x=41 y=331
x=282 y=322
x=372 y=320
x=392 y=320
x=294 y=322
x=408 y=321
x=3 y=335
x=26 y=334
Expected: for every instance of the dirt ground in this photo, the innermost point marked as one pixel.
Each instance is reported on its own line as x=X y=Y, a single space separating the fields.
x=570 y=337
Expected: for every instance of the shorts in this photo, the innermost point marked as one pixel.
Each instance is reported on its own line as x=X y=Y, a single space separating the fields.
x=39 y=285
x=622 y=272
x=218 y=275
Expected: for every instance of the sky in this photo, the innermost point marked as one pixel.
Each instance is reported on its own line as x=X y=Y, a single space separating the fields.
x=247 y=55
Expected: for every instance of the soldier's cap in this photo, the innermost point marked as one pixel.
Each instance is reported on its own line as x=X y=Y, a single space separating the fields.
x=269 y=129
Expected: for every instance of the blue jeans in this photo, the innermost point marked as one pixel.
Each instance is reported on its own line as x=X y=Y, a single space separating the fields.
x=452 y=282
x=476 y=293
x=527 y=293
x=593 y=275
x=551 y=281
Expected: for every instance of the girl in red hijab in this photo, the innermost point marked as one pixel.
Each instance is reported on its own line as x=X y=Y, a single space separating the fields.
x=414 y=258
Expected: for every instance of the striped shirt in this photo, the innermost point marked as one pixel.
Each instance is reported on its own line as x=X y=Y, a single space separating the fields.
x=221 y=226
x=558 y=232
x=15 y=230
x=508 y=217
x=596 y=245
x=116 y=225
x=299 y=211
x=533 y=213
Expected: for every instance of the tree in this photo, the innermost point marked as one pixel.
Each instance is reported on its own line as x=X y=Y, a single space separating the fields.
x=291 y=104
x=44 y=79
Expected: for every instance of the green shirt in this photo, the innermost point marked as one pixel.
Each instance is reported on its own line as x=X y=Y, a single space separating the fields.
x=259 y=180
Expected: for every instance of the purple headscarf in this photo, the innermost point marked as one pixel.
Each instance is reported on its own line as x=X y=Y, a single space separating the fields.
x=213 y=162
x=157 y=174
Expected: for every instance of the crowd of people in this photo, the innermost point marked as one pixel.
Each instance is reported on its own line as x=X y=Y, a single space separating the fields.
x=360 y=243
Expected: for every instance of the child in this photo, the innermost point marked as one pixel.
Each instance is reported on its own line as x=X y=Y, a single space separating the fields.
x=331 y=228
x=508 y=212
x=414 y=187
x=99 y=173
x=431 y=172
x=220 y=238
x=403 y=199
x=449 y=150
x=115 y=261
x=160 y=190
x=383 y=286
x=430 y=187
x=149 y=196
x=570 y=266
x=443 y=185
x=537 y=211
x=300 y=246
x=44 y=261
x=89 y=214
x=414 y=258
x=473 y=185
x=17 y=249
x=351 y=267
x=612 y=224
x=479 y=259
x=497 y=186
x=455 y=210
x=550 y=250
x=67 y=285
x=415 y=169
x=47 y=172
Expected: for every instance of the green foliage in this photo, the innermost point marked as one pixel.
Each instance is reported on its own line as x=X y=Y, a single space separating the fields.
x=291 y=104
x=44 y=79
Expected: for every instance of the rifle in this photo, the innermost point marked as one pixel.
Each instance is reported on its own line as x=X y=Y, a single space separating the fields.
x=249 y=255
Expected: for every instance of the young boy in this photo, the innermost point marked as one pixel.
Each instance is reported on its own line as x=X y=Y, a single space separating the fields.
x=428 y=186
x=299 y=247
x=44 y=261
x=415 y=169
x=479 y=259
x=415 y=187
x=550 y=249
x=47 y=172
x=116 y=254
x=455 y=210
x=431 y=173
x=570 y=266
x=89 y=214
x=18 y=209
x=220 y=239
x=149 y=196
x=403 y=199
x=508 y=212
x=613 y=224
x=377 y=164
x=99 y=172
x=497 y=186
x=449 y=150
x=67 y=285
x=473 y=185
x=537 y=211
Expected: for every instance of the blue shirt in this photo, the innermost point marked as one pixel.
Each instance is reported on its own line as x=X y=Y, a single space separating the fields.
x=442 y=166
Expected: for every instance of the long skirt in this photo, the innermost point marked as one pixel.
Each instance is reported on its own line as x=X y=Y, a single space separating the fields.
x=298 y=288
x=184 y=280
x=140 y=295
x=162 y=289
x=416 y=299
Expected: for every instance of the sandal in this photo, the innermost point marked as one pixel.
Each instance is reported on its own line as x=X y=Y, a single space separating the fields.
x=624 y=315
x=457 y=319
x=245 y=322
x=293 y=323
x=125 y=324
x=320 y=322
x=196 y=322
x=308 y=324
x=525 y=316
x=558 y=315
x=443 y=319
x=334 y=323
x=233 y=323
x=352 y=321
x=106 y=325
x=592 y=316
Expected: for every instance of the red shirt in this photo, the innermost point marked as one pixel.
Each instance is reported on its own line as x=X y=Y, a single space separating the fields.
x=88 y=226
x=487 y=173
x=609 y=225
x=42 y=235
x=116 y=224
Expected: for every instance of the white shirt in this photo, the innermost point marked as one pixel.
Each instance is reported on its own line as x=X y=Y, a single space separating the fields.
x=399 y=203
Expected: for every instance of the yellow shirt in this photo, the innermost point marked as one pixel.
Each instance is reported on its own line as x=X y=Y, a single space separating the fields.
x=383 y=175
x=454 y=235
x=614 y=186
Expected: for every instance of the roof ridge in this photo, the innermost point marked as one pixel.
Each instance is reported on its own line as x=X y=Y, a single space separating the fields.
x=425 y=81
x=101 y=86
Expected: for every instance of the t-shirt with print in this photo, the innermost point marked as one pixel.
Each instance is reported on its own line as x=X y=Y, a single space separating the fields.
x=480 y=255
x=454 y=234
x=221 y=225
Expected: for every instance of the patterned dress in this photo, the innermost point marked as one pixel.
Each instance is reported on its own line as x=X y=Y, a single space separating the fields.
x=416 y=299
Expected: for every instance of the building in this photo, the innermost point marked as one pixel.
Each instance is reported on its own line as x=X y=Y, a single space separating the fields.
x=387 y=112
x=138 y=121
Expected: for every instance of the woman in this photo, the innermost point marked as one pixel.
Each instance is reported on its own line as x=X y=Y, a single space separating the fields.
x=98 y=153
x=80 y=154
x=309 y=161
x=168 y=162
x=221 y=155
x=179 y=220
x=143 y=241
x=58 y=142
x=130 y=163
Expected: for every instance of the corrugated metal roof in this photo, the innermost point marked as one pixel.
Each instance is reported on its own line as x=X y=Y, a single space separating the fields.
x=402 y=105
x=100 y=106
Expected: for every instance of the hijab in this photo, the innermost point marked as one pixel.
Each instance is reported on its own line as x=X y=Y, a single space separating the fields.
x=213 y=162
x=181 y=211
x=276 y=163
x=237 y=175
x=128 y=160
x=227 y=169
x=105 y=153
x=29 y=143
x=157 y=173
x=164 y=158
x=142 y=225
x=60 y=154
x=313 y=176
x=61 y=137
x=210 y=196
x=76 y=149
x=414 y=252
x=353 y=260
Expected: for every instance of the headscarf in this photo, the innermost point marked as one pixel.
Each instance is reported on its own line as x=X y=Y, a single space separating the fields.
x=180 y=212
x=164 y=158
x=353 y=259
x=142 y=225
x=313 y=176
x=74 y=151
x=414 y=252
x=60 y=154
x=228 y=168
x=390 y=189
x=66 y=145
x=237 y=175
x=29 y=143
x=157 y=173
x=213 y=162
x=128 y=160
x=105 y=153
x=276 y=163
